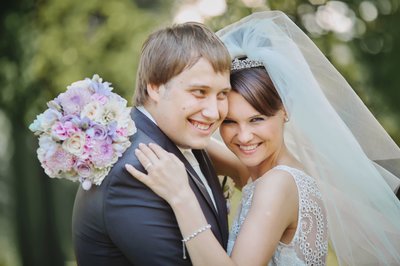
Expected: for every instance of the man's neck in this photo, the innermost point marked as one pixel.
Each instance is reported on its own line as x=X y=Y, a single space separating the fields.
x=147 y=112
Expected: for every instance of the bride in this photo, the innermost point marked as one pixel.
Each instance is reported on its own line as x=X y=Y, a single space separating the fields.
x=309 y=145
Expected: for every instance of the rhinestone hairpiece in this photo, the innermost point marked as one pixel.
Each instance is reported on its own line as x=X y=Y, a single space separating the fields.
x=238 y=64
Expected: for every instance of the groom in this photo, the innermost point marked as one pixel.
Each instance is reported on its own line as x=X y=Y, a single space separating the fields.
x=180 y=99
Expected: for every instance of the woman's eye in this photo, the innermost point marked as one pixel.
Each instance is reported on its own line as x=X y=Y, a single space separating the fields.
x=257 y=119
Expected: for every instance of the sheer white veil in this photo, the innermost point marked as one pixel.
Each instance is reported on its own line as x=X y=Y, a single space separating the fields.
x=341 y=144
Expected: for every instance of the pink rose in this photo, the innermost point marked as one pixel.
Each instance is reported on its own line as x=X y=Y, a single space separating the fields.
x=60 y=160
x=102 y=153
x=84 y=168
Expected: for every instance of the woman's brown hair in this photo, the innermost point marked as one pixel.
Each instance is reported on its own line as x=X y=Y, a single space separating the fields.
x=257 y=88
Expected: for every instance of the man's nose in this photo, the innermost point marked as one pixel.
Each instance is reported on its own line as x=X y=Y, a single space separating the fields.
x=211 y=108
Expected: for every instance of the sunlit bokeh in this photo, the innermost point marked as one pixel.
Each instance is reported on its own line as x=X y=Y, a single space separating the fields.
x=254 y=3
x=335 y=16
x=317 y=2
x=188 y=13
x=368 y=11
x=310 y=23
x=200 y=10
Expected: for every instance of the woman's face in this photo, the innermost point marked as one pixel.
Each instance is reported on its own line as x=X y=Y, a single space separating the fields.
x=253 y=137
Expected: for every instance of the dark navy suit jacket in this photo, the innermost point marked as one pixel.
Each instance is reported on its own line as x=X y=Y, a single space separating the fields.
x=122 y=222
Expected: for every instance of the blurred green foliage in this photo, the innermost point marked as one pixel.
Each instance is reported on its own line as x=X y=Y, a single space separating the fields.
x=47 y=44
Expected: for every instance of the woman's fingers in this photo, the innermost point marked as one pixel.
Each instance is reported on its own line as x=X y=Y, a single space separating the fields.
x=137 y=174
x=160 y=152
x=152 y=154
x=166 y=174
x=164 y=155
x=143 y=159
x=149 y=153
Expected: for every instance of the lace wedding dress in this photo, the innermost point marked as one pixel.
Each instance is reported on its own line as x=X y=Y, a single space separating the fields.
x=309 y=245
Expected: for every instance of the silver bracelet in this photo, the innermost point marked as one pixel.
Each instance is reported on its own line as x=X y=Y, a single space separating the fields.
x=186 y=239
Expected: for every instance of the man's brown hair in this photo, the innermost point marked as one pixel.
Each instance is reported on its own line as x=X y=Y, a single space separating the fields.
x=168 y=52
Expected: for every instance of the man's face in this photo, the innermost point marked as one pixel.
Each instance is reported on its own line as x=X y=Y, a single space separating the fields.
x=192 y=105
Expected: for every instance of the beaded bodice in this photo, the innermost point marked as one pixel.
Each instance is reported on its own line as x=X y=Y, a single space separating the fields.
x=309 y=245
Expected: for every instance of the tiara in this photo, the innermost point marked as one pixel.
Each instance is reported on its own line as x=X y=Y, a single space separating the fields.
x=238 y=64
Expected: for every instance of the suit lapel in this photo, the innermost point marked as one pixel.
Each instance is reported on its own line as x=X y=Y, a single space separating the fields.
x=197 y=181
x=152 y=130
x=212 y=179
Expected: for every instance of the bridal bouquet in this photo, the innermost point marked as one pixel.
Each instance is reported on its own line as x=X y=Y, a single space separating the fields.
x=83 y=132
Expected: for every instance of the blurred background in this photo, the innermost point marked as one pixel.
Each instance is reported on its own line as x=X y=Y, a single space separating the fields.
x=47 y=44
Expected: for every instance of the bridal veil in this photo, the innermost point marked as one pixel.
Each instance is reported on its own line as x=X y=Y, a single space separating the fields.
x=355 y=162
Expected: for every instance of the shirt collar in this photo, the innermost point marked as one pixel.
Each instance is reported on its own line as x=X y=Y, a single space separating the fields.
x=146 y=113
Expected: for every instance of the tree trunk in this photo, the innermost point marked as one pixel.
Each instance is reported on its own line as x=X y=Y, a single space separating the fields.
x=36 y=235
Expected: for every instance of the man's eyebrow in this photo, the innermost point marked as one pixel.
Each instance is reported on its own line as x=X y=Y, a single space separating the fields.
x=202 y=86
x=198 y=85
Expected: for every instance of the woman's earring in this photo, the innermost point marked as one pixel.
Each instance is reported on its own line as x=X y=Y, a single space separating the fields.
x=286 y=119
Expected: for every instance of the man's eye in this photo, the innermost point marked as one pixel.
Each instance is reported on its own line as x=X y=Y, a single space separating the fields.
x=199 y=93
x=222 y=95
x=228 y=121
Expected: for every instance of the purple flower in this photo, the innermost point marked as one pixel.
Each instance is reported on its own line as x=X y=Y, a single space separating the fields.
x=101 y=98
x=85 y=123
x=103 y=89
x=70 y=118
x=97 y=132
x=100 y=87
x=112 y=129
x=74 y=99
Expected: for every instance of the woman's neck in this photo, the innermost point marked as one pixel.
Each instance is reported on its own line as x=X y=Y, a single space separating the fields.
x=283 y=156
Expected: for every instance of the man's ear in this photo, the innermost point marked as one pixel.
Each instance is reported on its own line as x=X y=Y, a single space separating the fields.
x=153 y=91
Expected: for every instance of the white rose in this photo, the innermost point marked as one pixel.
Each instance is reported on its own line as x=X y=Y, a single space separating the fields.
x=75 y=143
x=92 y=111
x=131 y=127
x=110 y=112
